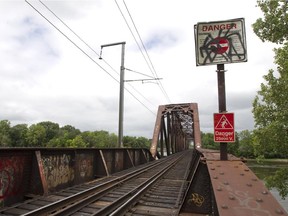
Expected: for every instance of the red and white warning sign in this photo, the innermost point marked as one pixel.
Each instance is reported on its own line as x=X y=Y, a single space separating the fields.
x=224 y=127
x=220 y=42
x=219 y=45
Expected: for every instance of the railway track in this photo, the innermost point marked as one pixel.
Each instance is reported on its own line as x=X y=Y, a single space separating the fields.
x=154 y=188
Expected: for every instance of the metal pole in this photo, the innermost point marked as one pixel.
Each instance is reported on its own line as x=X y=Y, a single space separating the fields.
x=121 y=94
x=121 y=99
x=222 y=104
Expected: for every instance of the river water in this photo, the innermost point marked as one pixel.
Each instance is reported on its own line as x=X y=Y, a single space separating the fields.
x=265 y=169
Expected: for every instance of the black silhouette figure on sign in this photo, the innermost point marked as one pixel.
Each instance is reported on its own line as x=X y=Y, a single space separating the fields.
x=223 y=45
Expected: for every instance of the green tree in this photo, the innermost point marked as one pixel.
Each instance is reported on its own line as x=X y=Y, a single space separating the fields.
x=270 y=109
x=78 y=142
x=270 y=105
x=274 y=26
x=233 y=147
x=143 y=142
x=112 y=141
x=36 y=135
x=278 y=181
x=18 y=135
x=64 y=137
x=90 y=138
x=99 y=139
x=51 y=130
x=246 y=144
x=5 y=140
x=136 y=142
x=208 y=141
x=129 y=141
x=69 y=132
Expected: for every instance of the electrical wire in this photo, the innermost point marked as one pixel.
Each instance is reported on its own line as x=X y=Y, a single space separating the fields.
x=76 y=34
x=70 y=40
x=133 y=35
x=153 y=71
x=86 y=54
x=92 y=49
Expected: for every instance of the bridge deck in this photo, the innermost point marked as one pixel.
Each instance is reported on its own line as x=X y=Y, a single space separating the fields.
x=191 y=182
x=153 y=188
x=237 y=189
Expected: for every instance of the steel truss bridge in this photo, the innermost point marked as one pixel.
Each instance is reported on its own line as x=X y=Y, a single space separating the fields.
x=175 y=177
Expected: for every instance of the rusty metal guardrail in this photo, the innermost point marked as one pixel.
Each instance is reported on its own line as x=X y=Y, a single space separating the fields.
x=38 y=171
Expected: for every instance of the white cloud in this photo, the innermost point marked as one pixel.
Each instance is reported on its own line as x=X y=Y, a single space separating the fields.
x=45 y=77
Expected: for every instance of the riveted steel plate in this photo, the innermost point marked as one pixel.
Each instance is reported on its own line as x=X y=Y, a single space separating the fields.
x=239 y=192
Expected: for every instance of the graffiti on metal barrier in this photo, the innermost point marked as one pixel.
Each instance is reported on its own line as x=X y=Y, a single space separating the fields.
x=58 y=169
x=11 y=176
x=197 y=199
x=85 y=166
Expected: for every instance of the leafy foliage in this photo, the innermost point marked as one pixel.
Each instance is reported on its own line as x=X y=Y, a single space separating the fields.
x=36 y=135
x=245 y=148
x=278 y=181
x=270 y=109
x=4 y=133
x=208 y=141
x=18 y=135
x=270 y=105
x=274 y=26
x=140 y=142
x=50 y=134
x=242 y=147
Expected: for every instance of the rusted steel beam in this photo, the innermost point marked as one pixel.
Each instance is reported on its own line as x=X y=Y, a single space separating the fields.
x=196 y=124
x=104 y=163
x=38 y=171
x=237 y=190
x=181 y=125
x=157 y=129
x=41 y=172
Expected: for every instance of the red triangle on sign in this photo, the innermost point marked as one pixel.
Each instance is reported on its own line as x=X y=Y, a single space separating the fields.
x=224 y=123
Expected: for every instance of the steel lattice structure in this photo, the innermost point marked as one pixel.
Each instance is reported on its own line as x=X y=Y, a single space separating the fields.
x=177 y=125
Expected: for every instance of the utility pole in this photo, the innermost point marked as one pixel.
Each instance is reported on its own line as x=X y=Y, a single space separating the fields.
x=121 y=94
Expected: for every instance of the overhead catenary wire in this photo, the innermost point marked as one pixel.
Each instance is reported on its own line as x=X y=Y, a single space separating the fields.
x=139 y=47
x=76 y=34
x=70 y=40
x=50 y=10
x=86 y=54
x=140 y=38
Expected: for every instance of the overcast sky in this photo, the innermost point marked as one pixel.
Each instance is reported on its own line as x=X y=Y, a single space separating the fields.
x=45 y=77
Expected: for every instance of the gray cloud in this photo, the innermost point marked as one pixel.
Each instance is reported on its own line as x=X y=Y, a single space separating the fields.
x=44 y=77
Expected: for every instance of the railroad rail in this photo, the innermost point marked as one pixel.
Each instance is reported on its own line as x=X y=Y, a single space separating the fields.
x=170 y=179
x=132 y=191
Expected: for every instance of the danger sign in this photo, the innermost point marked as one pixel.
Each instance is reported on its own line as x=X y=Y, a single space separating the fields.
x=224 y=127
x=220 y=42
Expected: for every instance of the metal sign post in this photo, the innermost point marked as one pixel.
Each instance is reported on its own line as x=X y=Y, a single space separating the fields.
x=222 y=105
x=221 y=42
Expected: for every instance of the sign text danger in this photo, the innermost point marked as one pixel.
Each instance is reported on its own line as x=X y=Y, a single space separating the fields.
x=218 y=27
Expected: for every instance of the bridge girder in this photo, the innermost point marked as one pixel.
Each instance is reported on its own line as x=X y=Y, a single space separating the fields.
x=176 y=126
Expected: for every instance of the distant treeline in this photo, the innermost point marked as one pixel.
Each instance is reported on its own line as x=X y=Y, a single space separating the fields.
x=50 y=134
x=245 y=145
